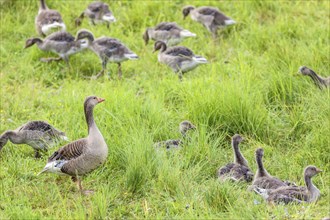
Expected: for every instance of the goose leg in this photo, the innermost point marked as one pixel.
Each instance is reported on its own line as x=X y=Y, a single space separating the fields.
x=104 y=66
x=180 y=75
x=50 y=59
x=108 y=25
x=80 y=188
x=119 y=71
x=37 y=154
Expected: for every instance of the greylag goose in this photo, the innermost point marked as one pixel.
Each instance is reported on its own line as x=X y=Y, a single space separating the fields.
x=184 y=127
x=318 y=80
x=168 y=32
x=289 y=194
x=239 y=170
x=47 y=20
x=108 y=49
x=81 y=156
x=179 y=58
x=97 y=12
x=61 y=43
x=210 y=17
x=38 y=134
x=262 y=178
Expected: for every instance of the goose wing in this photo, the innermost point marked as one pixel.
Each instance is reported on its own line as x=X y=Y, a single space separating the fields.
x=69 y=151
x=60 y=36
x=95 y=6
x=36 y=126
x=111 y=46
x=167 y=26
x=288 y=194
x=179 y=51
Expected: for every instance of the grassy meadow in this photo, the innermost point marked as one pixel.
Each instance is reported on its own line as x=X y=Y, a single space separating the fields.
x=250 y=86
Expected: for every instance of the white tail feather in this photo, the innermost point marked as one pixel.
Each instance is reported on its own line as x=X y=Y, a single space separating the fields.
x=108 y=18
x=53 y=167
x=199 y=59
x=230 y=22
x=186 y=33
x=131 y=56
x=262 y=192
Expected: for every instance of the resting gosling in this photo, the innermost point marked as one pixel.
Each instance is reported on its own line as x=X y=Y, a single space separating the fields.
x=262 y=178
x=210 y=17
x=168 y=32
x=184 y=127
x=97 y=12
x=239 y=170
x=61 y=43
x=294 y=194
x=108 y=50
x=81 y=156
x=40 y=135
x=48 y=20
x=179 y=58
x=318 y=80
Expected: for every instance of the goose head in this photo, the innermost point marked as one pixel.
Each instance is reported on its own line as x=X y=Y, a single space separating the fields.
x=311 y=171
x=305 y=70
x=91 y=101
x=85 y=34
x=159 y=45
x=29 y=42
x=259 y=153
x=237 y=138
x=186 y=10
x=185 y=126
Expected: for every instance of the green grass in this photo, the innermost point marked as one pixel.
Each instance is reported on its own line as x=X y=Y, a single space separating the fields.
x=256 y=94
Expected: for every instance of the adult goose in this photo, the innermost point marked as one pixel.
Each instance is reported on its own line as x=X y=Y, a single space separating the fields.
x=289 y=194
x=61 y=43
x=184 y=127
x=40 y=135
x=262 y=178
x=47 y=20
x=108 y=50
x=210 y=17
x=180 y=59
x=168 y=32
x=318 y=80
x=97 y=12
x=239 y=170
x=81 y=156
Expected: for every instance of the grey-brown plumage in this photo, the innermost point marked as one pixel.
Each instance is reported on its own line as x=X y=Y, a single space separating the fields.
x=61 y=43
x=180 y=59
x=262 y=178
x=84 y=155
x=239 y=170
x=210 y=17
x=168 y=32
x=40 y=135
x=294 y=194
x=48 y=20
x=108 y=50
x=318 y=80
x=97 y=12
x=184 y=127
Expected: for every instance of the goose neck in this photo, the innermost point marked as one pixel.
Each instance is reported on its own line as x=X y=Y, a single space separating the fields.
x=163 y=47
x=261 y=172
x=238 y=157
x=313 y=191
x=316 y=78
x=90 y=118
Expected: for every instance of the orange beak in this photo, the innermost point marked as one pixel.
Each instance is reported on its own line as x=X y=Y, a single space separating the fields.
x=100 y=99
